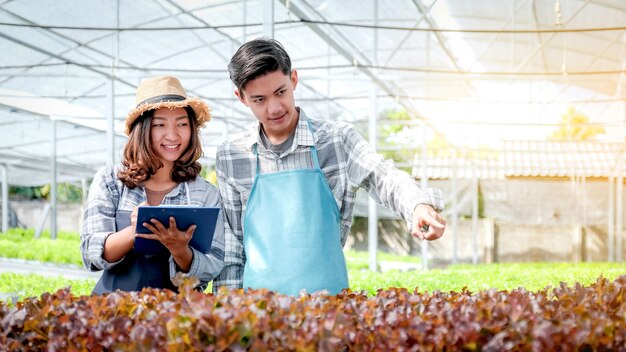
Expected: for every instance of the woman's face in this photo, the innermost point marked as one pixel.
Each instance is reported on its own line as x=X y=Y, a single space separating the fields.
x=170 y=132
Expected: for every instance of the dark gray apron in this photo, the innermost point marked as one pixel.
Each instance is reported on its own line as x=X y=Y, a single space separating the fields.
x=136 y=271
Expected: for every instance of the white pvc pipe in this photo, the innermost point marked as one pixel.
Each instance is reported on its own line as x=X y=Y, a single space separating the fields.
x=372 y=213
x=53 y=179
x=6 y=208
x=454 y=214
x=424 y=186
x=474 y=215
x=618 y=212
x=611 y=227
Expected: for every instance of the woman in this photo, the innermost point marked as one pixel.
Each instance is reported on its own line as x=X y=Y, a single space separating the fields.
x=159 y=166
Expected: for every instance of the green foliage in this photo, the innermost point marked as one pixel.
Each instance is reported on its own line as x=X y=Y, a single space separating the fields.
x=531 y=276
x=21 y=243
x=209 y=174
x=394 y=115
x=25 y=192
x=359 y=260
x=481 y=206
x=575 y=126
x=34 y=285
x=66 y=192
x=437 y=147
x=387 y=133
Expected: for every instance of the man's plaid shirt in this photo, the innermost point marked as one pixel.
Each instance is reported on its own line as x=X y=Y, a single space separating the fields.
x=347 y=161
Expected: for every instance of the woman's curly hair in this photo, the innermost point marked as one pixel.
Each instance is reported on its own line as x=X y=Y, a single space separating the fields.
x=140 y=161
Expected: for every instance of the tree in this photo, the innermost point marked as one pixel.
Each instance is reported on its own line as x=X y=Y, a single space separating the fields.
x=209 y=174
x=66 y=192
x=574 y=126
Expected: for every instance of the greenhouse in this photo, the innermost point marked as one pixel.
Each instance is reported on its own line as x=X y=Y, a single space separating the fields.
x=514 y=109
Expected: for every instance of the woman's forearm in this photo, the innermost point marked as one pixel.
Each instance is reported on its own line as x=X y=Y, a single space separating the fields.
x=118 y=244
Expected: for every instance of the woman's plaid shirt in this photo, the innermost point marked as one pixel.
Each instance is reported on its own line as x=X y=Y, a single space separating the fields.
x=107 y=195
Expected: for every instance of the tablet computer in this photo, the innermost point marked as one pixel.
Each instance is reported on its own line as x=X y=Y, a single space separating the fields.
x=205 y=219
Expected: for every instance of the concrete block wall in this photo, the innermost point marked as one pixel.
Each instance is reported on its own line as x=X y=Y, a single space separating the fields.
x=30 y=213
x=497 y=241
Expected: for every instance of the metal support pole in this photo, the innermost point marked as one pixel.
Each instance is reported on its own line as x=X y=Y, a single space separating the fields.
x=110 y=116
x=83 y=200
x=424 y=187
x=244 y=14
x=268 y=18
x=474 y=215
x=110 y=144
x=84 y=189
x=455 y=212
x=372 y=214
x=611 y=229
x=328 y=80
x=53 y=179
x=6 y=207
x=619 y=206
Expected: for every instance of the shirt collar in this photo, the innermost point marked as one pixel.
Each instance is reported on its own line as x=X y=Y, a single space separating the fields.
x=303 y=136
x=178 y=190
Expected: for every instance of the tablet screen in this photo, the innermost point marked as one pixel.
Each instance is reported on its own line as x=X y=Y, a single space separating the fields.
x=205 y=219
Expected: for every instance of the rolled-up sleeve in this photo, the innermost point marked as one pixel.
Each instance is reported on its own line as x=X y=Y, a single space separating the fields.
x=98 y=220
x=389 y=186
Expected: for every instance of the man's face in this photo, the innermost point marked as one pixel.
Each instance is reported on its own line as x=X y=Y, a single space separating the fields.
x=271 y=99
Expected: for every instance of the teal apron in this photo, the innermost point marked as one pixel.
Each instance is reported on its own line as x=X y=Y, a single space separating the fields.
x=292 y=233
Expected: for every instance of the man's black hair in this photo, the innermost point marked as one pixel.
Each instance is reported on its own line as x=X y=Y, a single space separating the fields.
x=256 y=58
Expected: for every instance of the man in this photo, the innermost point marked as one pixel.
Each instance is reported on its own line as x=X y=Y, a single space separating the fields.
x=288 y=185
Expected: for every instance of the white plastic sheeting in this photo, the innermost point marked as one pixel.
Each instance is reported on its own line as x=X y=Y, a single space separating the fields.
x=26 y=150
x=444 y=61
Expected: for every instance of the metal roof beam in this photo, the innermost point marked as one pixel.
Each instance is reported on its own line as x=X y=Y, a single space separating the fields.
x=87 y=46
x=442 y=42
x=539 y=36
x=390 y=88
x=564 y=87
x=64 y=59
x=46 y=141
x=353 y=55
x=438 y=35
x=507 y=22
x=42 y=164
x=409 y=33
x=237 y=43
x=541 y=47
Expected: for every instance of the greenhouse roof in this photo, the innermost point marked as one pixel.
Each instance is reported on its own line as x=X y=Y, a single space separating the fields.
x=485 y=70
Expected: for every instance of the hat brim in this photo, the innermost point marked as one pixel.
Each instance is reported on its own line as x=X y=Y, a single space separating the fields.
x=201 y=109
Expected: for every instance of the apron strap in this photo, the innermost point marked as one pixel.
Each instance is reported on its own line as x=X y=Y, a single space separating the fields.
x=313 y=150
x=256 y=154
x=314 y=156
x=188 y=193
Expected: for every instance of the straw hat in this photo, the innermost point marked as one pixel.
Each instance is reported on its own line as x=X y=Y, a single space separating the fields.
x=165 y=92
